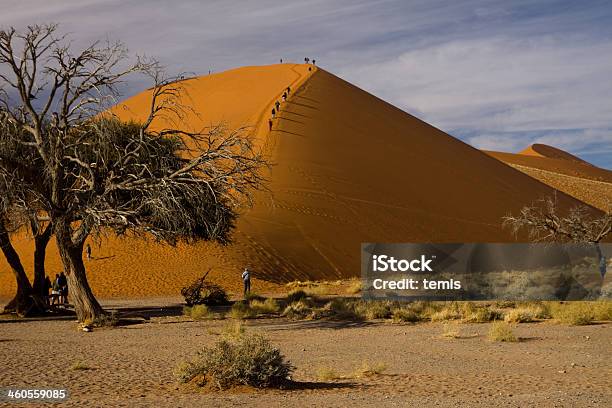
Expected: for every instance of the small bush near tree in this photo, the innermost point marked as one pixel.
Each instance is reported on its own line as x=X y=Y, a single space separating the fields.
x=201 y=292
x=249 y=359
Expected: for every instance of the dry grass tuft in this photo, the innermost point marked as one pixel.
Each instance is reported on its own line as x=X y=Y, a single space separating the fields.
x=501 y=331
x=80 y=366
x=369 y=370
x=197 y=312
x=242 y=310
x=267 y=306
x=451 y=330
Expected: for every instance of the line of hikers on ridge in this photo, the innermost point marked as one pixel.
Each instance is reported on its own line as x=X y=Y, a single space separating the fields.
x=277 y=104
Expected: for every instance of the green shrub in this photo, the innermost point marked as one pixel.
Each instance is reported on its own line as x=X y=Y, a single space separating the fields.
x=247 y=360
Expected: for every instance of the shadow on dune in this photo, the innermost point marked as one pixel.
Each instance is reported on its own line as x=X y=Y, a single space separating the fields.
x=295 y=113
x=304 y=105
x=290 y=120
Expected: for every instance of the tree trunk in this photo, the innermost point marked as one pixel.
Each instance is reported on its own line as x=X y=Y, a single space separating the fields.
x=40 y=250
x=87 y=308
x=601 y=258
x=22 y=303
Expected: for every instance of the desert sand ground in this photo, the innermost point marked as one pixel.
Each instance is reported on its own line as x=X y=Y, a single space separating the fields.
x=552 y=366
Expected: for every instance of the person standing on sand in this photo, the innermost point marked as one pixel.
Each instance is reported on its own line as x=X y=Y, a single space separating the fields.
x=277 y=104
x=306 y=60
x=63 y=284
x=246 y=280
x=314 y=62
x=270 y=123
x=88 y=252
x=273 y=113
x=46 y=288
x=284 y=96
x=281 y=60
x=55 y=290
x=288 y=90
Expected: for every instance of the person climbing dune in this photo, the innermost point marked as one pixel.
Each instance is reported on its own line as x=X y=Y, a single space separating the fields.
x=273 y=113
x=270 y=124
x=288 y=90
x=277 y=104
x=284 y=96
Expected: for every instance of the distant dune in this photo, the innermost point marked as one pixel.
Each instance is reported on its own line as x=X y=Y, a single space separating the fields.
x=349 y=168
x=542 y=150
x=563 y=171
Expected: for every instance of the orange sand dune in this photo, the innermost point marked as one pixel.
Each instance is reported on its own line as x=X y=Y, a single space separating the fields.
x=542 y=150
x=563 y=171
x=567 y=167
x=350 y=168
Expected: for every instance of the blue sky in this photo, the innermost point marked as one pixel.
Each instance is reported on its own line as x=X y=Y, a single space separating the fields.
x=499 y=75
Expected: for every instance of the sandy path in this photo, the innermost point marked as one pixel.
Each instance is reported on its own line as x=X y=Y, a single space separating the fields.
x=554 y=365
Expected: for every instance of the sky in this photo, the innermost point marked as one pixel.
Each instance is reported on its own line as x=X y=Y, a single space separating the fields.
x=500 y=75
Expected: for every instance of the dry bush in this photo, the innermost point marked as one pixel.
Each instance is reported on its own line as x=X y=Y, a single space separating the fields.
x=354 y=286
x=265 y=307
x=328 y=374
x=80 y=366
x=520 y=315
x=371 y=310
x=404 y=314
x=249 y=359
x=476 y=314
x=298 y=310
x=104 y=320
x=602 y=310
x=296 y=295
x=197 y=312
x=343 y=309
x=572 y=313
x=451 y=330
x=201 y=292
x=369 y=369
x=501 y=331
x=447 y=313
x=233 y=329
x=242 y=310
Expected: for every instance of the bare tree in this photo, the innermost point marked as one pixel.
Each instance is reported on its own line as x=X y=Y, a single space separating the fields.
x=103 y=175
x=544 y=223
